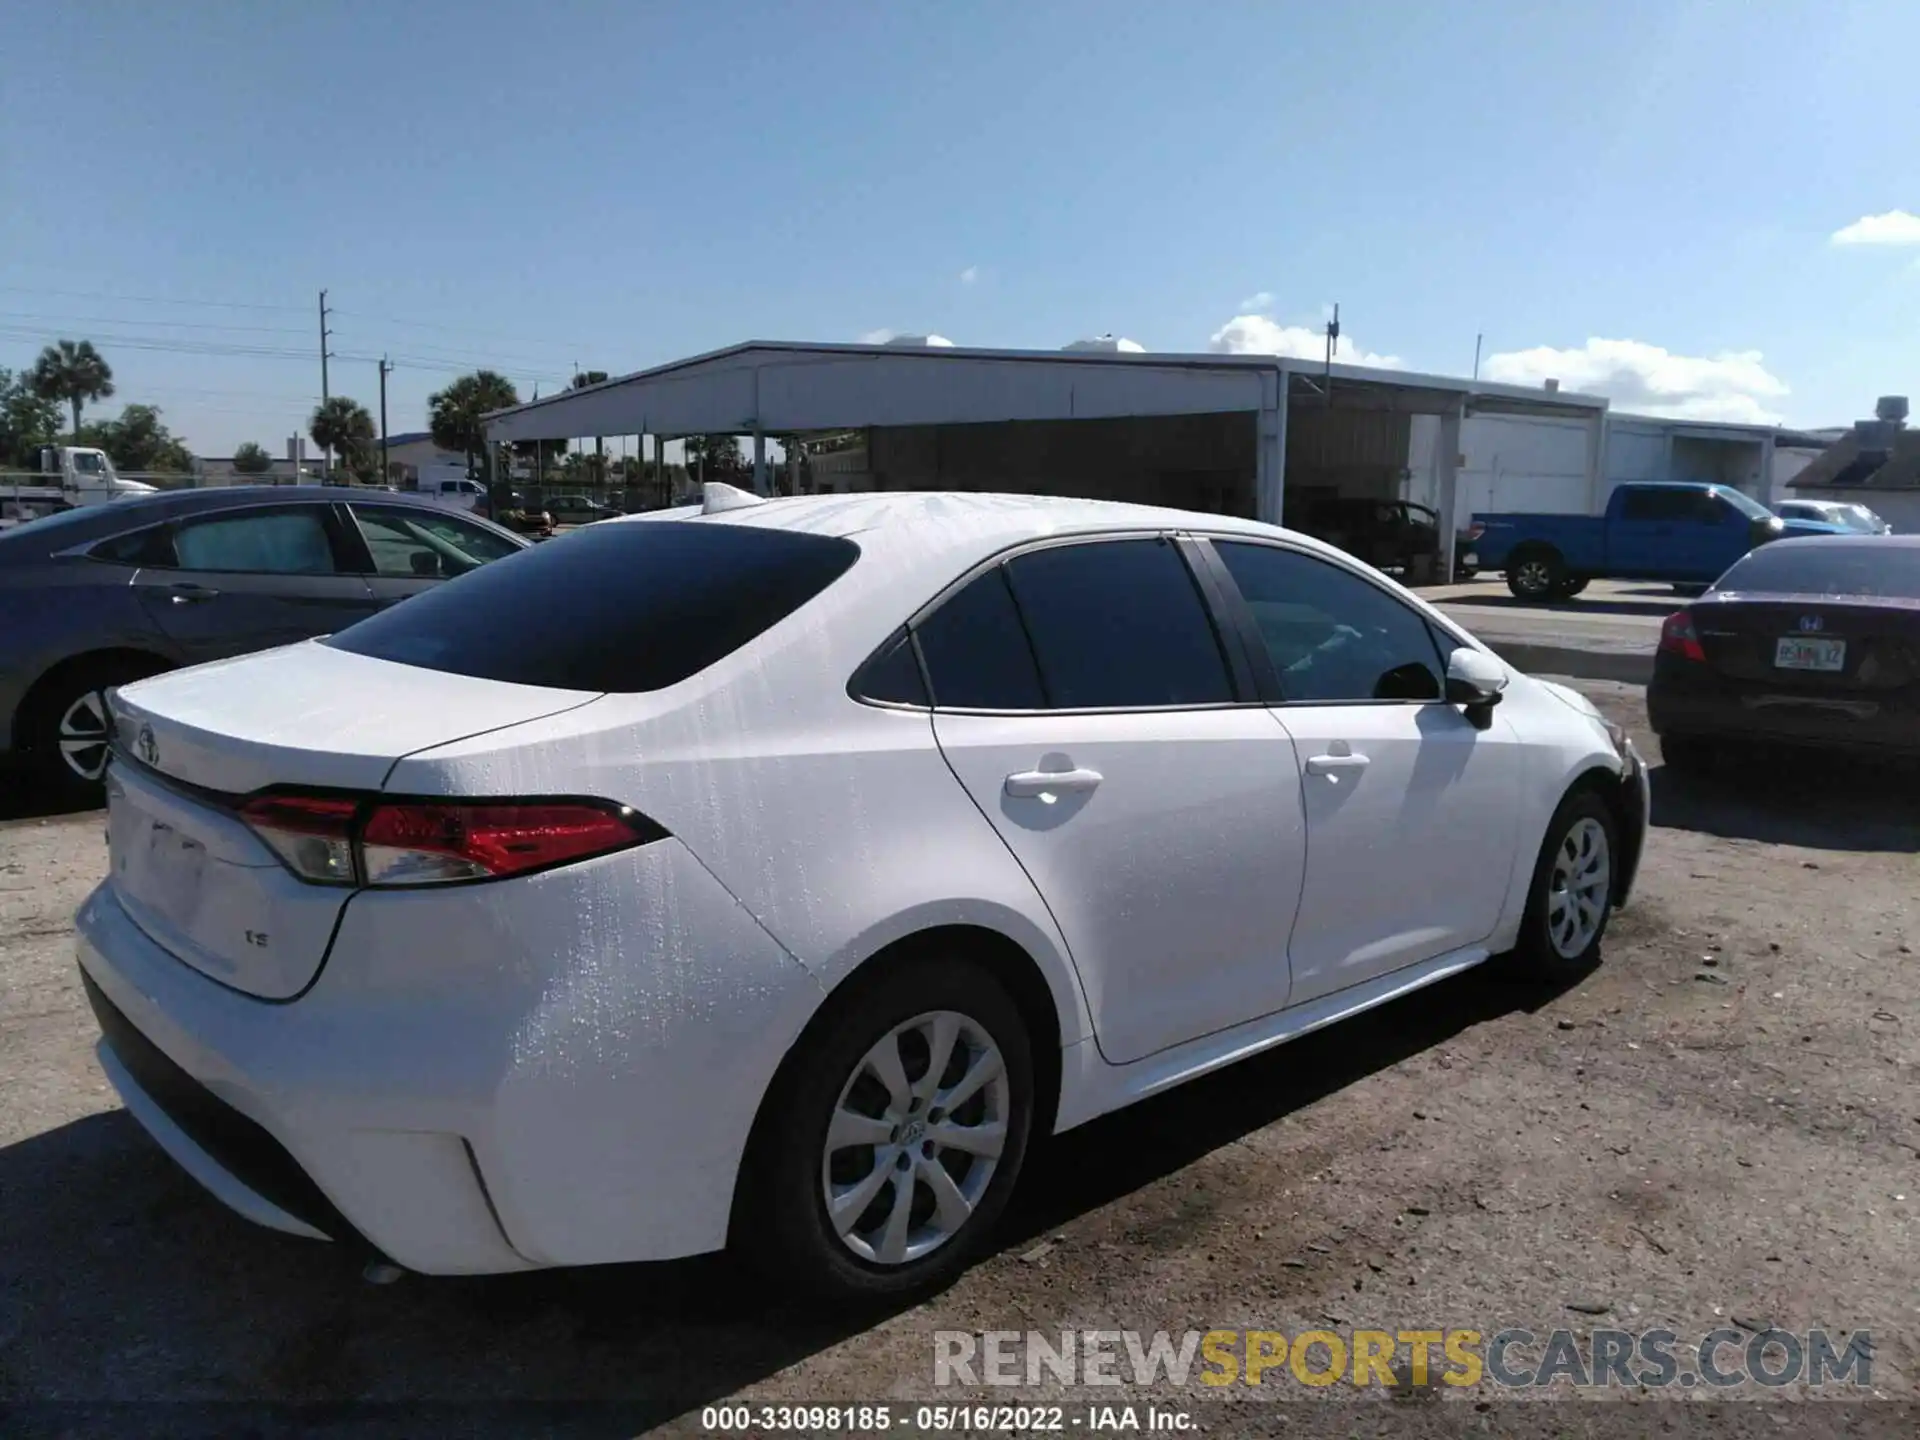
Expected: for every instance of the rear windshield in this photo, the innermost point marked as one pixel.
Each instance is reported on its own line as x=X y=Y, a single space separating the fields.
x=620 y=607
x=1867 y=568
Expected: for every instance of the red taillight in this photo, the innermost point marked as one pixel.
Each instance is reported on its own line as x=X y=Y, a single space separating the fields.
x=1677 y=637
x=312 y=834
x=336 y=840
x=430 y=843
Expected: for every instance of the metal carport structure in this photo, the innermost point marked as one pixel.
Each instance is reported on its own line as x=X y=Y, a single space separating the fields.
x=1258 y=413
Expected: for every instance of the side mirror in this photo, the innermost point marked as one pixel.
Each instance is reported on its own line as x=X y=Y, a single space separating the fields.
x=1475 y=679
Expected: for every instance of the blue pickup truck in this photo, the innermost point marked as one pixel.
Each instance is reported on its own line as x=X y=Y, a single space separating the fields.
x=1686 y=534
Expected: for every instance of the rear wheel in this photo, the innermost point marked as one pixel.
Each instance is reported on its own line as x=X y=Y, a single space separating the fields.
x=893 y=1136
x=1570 y=587
x=67 y=731
x=1572 y=895
x=1536 y=575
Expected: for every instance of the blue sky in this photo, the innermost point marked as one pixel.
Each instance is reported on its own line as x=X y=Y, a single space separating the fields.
x=621 y=184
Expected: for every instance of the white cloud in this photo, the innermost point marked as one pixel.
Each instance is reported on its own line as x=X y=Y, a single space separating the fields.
x=1735 y=385
x=1262 y=335
x=1896 y=227
x=876 y=337
x=1257 y=303
x=969 y=275
x=905 y=337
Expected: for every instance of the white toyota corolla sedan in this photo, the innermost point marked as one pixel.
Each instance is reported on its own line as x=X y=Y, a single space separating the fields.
x=771 y=873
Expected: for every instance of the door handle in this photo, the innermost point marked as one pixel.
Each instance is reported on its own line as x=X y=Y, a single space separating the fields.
x=1328 y=764
x=190 y=594
x=1028 y=783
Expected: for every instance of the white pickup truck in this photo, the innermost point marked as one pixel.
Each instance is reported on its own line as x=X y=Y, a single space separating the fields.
x=69 y=476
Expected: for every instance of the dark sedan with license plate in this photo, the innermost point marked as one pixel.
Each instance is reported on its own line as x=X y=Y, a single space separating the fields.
x=1812 y=642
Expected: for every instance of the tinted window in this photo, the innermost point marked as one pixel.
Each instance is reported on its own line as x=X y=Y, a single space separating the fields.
x=1656 y=504
x=152 y=546
x=1119 y=623
x=1332 y=635
x=261 y=542
x=425 y=544
x=1828 y=567
x=620 y=607
x=893 y=675
x=976 y=650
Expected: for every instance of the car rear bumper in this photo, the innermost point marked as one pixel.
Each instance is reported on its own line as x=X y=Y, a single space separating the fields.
x=1707 y=707
x=471 y=1086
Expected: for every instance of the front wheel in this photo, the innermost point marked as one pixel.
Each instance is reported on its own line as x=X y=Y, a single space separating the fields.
x=1572 y=895
x=893 y=1136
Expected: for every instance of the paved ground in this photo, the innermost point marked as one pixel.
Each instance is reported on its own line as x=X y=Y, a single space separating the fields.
x=1719 y=1126
x=1607 y=633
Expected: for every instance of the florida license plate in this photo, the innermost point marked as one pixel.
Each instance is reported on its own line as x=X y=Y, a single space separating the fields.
x=1792 y=652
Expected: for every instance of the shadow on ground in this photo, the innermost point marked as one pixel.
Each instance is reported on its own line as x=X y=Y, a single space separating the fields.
x=24 y=798
x=1814 y=800
x=126 y=1283
x=1648 y=602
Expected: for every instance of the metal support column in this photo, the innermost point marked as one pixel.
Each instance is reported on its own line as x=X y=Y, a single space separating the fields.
x=1270 y=447
x=1446 y=477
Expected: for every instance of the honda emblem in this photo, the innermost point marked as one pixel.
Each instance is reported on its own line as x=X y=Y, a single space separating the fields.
x=1810 y=622
x=147 y=747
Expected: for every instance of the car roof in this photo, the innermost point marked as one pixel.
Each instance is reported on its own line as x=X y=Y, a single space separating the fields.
x=1877 y=544
x=931 y=524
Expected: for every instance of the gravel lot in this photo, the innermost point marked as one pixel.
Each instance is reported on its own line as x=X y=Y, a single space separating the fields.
x=1720 y=1125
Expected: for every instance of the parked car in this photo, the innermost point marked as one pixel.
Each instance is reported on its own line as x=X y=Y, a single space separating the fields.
x=1811 y=642
x=517 y=514
x=577 y=510
x=1682 y=533
x=1386 y=534
x=774 y=876
x=1844 y=514
x=92 y=598
x=456 y=494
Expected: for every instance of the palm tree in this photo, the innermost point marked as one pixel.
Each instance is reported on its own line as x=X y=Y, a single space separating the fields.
x=72 y=371
x=343 y=425
x=455 y=415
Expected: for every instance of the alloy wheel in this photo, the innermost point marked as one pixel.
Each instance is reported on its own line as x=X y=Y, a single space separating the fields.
x=915 y=1138
x=84 y=735
x=1577 y=888
x=1535 y=577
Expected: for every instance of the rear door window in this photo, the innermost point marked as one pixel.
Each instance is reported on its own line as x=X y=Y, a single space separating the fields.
x=977 y=653
x=624 y=608
x=257 y=542
x=1651 y=504
x=1119 y=624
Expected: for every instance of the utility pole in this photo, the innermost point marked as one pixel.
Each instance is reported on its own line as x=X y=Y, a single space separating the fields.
x=386 y=369
x=1476 y=354
x=326 y=451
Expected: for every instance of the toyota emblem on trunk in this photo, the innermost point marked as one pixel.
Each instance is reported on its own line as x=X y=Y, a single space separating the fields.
x=147 y=747
x=1810 y=622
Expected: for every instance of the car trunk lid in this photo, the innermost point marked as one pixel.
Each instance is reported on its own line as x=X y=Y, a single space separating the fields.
x=1811 y=644
x=190 y=745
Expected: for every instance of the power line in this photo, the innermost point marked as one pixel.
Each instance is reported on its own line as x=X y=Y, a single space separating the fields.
x=65 y=320
x=463 y=330
x=151 y=299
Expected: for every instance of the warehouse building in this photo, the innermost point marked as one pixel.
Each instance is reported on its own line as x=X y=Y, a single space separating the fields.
x=1235 y=434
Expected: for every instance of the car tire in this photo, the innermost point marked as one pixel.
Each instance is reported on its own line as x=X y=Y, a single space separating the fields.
x=786 y=1225
x=1570 y=899
x=65 y=728
x=1570 y=587
x=1536 y=575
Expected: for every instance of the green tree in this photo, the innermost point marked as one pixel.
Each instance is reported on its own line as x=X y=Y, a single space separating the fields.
x=344 y=427
x=27 y=421
x=580 y=382
x=456 y=415
x=139 y=441
x=72 y=371
x=715 y=457
x=252 y=459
